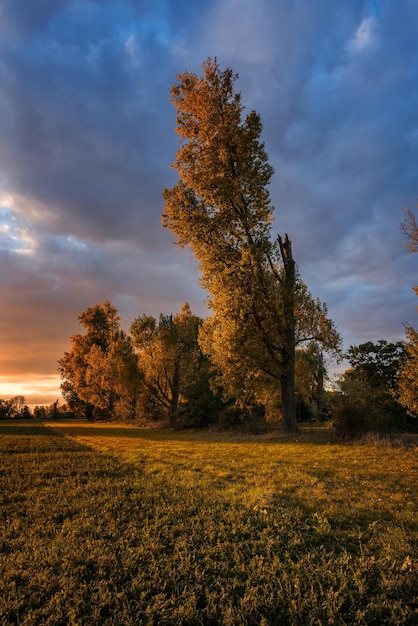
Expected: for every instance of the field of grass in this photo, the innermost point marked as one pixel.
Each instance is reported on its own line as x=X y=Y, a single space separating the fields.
x=114 y=525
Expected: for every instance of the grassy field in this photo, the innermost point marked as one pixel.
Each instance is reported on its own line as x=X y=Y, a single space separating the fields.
x=109 y=524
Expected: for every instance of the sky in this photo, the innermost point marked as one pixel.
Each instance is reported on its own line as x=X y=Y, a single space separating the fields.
x=87 y=138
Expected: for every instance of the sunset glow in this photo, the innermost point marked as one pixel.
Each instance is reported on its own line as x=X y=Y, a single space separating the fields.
x=37 y=391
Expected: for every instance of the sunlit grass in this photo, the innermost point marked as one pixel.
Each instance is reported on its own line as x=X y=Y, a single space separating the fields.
x=110 y=524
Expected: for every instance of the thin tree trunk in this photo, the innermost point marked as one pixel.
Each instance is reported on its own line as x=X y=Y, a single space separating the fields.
x=320 y=383
x=175 y=394
x=288 y=350
x=288 y=399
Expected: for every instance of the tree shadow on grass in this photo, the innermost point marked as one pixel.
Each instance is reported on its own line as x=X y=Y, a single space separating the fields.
x=27 y=429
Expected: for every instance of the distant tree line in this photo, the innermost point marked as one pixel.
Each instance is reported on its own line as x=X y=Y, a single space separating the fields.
x=16 y=408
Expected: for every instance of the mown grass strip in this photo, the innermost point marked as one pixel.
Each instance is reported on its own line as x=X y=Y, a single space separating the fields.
x=149 y=527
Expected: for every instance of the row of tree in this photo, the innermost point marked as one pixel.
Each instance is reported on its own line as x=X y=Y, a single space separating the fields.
x=167 y=377
x=156 y=372
x=160 y=372
x=14 y=408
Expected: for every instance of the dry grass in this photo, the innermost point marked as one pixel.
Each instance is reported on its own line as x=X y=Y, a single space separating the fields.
x=111 y=524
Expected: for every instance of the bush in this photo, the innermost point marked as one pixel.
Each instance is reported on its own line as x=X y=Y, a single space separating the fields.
x=240 y=419
x=349 y=421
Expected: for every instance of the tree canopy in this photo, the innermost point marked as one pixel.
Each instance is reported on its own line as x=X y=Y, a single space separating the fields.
x=408 y=375
x=409 y=228
x=169 y=358
x=100 y=373
x=221 y=208
x=158 y=372
x=378 y=362
x=407 y=379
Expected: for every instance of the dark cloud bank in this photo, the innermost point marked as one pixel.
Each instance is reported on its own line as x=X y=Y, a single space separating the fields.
x=87 y=137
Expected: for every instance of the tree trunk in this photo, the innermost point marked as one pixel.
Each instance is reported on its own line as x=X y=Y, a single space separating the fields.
x=288 y=398
x=320 y=382
x=175 y=392
x=288 y=350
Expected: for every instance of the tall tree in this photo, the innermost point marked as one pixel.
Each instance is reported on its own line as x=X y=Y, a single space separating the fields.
x=407 y=393
x=407 y=380
x=221 y=208
x=409 y=228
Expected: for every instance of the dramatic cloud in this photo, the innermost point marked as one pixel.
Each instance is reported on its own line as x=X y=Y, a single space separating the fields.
x=87 y=137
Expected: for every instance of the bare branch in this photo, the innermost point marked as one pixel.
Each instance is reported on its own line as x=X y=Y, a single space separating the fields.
x=410 y=230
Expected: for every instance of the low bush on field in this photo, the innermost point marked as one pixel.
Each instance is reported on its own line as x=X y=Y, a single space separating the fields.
x=112 y=525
